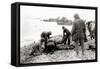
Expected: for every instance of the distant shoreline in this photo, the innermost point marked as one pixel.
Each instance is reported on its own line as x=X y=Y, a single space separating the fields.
x=62 y=21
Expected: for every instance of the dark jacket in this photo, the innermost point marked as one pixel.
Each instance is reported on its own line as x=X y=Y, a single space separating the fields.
x=66 y=32
x=78 y=29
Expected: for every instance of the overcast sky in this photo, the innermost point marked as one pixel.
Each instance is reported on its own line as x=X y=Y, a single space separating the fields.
x=46 y=12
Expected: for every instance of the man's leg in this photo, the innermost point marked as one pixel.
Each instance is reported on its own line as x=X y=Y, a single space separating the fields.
x=68 y=40
x=76 y=47
x=62 y=40
x=65 y=39
x=82 y=46
x=85 y=39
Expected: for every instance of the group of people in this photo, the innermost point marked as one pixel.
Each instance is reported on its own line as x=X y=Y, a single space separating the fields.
x=78 y=35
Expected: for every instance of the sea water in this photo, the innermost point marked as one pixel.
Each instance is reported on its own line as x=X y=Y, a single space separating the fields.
x=31 y=30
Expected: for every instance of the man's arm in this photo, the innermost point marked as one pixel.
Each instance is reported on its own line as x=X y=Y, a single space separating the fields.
x=63 y=32
x=73 y=29
x=84 y=27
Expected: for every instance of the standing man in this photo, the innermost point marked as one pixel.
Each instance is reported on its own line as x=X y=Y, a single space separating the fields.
x=78 y=30
x=66 y=35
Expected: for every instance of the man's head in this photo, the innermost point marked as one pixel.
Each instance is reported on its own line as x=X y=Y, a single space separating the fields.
x=76 y=16
x=49 y=33
x=63 y=27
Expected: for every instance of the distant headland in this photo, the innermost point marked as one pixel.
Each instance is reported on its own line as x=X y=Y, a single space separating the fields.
x=59 y=21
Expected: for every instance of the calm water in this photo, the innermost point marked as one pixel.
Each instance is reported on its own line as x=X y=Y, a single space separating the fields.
x=31 y=30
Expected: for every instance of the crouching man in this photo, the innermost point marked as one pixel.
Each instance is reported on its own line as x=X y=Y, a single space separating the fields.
x=44 y=37
x=41 y=46
x=49 y=45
